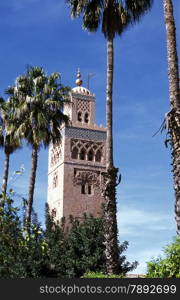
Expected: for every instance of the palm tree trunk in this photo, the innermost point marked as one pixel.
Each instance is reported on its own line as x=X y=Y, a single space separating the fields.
x=109 y=112
x=174 y=115
x=31 y=186
x=111 y=232
x=6 y=172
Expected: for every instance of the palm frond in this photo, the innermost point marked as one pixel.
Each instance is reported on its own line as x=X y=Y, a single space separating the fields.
x=113 y=15
x=137 y=8
x=36 y=107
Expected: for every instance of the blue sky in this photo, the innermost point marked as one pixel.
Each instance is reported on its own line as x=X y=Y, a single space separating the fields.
x=40 y=32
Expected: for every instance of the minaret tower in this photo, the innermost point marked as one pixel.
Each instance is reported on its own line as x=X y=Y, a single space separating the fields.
x=76 y=164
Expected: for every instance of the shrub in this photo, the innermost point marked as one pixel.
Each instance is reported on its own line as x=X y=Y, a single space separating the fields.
x=169 y=266
x=57 y=251
x=11 y=239
x=80 y=249
x=22 y=254
x=100 y=275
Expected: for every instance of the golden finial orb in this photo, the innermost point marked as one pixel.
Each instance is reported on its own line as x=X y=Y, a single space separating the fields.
x=79 y=80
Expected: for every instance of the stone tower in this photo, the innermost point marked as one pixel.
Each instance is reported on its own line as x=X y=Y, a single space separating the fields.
x=75 y=165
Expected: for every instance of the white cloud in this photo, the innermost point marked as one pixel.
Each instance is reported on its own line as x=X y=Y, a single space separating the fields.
x=143 y=257
x=147 y=232
x=127 y=136
x=136 y=222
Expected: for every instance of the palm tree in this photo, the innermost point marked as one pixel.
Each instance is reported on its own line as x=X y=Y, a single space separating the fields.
x=1 y=122
x=114 y=16
x=8 y=141
x=173 y=117
x=38 y=116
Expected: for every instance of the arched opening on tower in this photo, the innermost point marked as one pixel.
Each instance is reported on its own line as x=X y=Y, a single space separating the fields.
x=82 y=155
x=90 y=155
x=89 y=189
x=74 y=154
x=83 y=189
x=86 y=118
x=79 y=116
x=98 y=156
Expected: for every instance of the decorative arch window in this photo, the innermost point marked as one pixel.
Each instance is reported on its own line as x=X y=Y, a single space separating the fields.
x=98 y=156
x=82 y=154
x=83 y=189
x=56 y=155
x=90 y=155
x=74 y=154
x=79 y=116
x=86 y=118
x=89 y=189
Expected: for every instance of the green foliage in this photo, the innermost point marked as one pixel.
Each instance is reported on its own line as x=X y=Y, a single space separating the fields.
x=125 y=266
x=100 y=275
x=8 y=139
x=34 y=252
x=69 y=249
x=168 y=266
x=38 y=100
x=35 y=114
x=80 y=248
x=57 y=261
x=85 y=245
x=112 y=16
x=11 y=239
x=21 y=254
x=74 y=250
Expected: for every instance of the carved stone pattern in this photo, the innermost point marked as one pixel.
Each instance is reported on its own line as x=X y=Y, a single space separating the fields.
x=56 y=155
x=83 y=106
x=86 y=134
x=86 y=145
x=82 y=177
x=55 y=179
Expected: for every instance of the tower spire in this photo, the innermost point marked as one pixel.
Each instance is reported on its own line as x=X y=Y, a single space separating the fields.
x=79 y=80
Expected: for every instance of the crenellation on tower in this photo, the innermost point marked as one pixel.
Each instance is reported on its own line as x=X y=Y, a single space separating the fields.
x=76 y=164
